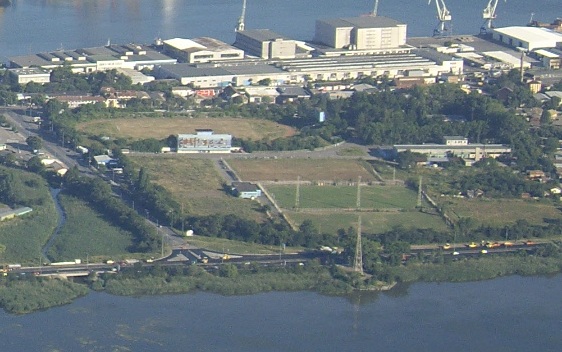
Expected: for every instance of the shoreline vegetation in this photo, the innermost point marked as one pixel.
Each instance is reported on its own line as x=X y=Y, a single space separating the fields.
x=22 y=295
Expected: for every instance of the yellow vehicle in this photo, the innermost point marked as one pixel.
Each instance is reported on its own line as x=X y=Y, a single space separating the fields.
x=508 y=244
x=204 y=260
x=492 y=245
x=447 y=246
x=472 y=245
x=225 y=257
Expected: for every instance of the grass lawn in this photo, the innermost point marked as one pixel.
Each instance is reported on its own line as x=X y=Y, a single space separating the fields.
x=351 y=151
x=162 y=127
x=378 y=197
x=87 y=233
x=235 y=247
x=25 y=236
x=499 y=212
x=196 y=184
x=307 y=169
x=370 y=222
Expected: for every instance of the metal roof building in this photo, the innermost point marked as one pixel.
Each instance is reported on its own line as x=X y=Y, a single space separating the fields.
x=529 y=38
x=204 y=49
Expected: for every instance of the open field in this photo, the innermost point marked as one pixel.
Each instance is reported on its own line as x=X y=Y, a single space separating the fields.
x=25 y=236
x=196 y=184
x=371 y=222
x=140 y=128
x=86 y=233
x=235 y=247
x=307 y=169
x=498 y=212
x=377 y=197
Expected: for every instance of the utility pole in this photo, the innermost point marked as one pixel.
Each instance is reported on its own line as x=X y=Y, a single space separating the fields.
x=358 y=202
x=419 y=204
x=297 y=193
x=182 y=221
x=358 y=262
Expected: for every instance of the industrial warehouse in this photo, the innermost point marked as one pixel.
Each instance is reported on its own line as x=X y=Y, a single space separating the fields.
x=342 y=49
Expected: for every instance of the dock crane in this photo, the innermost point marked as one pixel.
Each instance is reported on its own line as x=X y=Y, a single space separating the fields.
x=444 y=16
x=375 y=9
x=489 y=15
x=240 y=25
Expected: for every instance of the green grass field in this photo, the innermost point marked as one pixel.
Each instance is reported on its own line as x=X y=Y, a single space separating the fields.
x=306 y=169
x=235 y=247
x=86 y=233
x=371 y=222
x=196 y=184
x=377 y=197
x=25 y=236
x=499 y=212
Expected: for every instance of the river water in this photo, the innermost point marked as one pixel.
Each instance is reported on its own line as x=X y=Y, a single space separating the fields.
x=31 y=26
x=506 y=314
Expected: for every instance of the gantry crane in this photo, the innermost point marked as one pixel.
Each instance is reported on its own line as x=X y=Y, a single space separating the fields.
x=489 y=15
x=376 y=8
x=444 y=16
x=240 y=25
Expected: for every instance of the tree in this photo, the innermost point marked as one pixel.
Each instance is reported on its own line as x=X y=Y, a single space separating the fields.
x=265 y=82
x=34 y=142
x=34 y=165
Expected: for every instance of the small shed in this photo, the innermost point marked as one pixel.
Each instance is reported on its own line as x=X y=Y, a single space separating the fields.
x=245 y=190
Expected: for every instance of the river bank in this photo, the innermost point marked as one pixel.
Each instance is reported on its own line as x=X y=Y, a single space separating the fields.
x=230 y=281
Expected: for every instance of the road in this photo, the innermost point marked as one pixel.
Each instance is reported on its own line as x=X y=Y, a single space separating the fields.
x=26 y=128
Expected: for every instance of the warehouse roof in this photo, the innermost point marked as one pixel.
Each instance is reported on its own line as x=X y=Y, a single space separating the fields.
x=182 y=43
x=263 y=34
x=530 y=33
x=363 y=22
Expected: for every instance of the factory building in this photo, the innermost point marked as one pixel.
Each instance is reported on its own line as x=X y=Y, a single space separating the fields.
x=87 y=60
x=528 y=38
x=211 y=75
x=202 y=49
x=267 y=44
x=32 y=74
x=294 y=71
x=361 y=33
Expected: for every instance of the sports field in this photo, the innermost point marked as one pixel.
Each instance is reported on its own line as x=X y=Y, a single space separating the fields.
x=498 y=212
x=162 y=127
x=307 y=169
x=372 y=197
x=196 y=184
x=371 y=222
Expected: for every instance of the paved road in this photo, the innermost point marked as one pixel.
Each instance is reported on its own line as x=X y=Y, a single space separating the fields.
x=27 y=128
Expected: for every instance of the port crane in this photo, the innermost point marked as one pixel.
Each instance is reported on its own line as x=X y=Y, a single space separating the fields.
x=375 y=9
x=240 y=25
x=489 y=15
x=444 y=16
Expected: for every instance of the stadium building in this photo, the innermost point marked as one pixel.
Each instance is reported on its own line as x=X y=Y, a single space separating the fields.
x=204 y=141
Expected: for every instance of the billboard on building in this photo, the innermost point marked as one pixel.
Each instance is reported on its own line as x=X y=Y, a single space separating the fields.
x=204 y=142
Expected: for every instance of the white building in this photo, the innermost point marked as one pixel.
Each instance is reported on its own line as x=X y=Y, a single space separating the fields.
x=202 y=49
x=360 y=33
x=31 y=74
x=529 y=38
x=266 y=44
x=204 y=141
